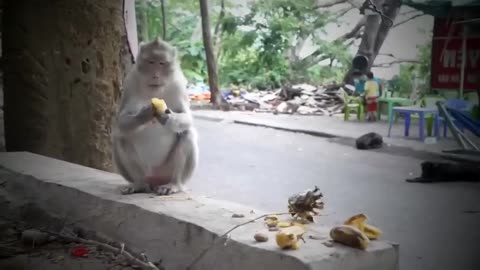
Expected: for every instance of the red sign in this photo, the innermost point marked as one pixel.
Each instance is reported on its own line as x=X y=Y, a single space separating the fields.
x=446 y=68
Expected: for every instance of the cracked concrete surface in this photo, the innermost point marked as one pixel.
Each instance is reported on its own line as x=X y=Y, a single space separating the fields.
x=175 y=228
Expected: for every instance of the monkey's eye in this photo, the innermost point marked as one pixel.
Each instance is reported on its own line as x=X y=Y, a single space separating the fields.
x=161 y=63
x=151 y=62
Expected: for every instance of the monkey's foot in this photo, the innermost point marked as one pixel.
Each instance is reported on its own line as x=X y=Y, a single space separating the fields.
x=133 y=188
x=167 y=189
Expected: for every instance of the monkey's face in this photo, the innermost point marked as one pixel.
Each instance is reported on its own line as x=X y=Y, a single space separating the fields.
x=156 y=65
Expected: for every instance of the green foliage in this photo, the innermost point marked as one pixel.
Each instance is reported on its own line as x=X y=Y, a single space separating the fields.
x=256 y=49
x=403 y=82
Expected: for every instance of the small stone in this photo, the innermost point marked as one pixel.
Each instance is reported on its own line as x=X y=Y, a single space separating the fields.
x=260 y=237
x=238 y=216
x=273 y=229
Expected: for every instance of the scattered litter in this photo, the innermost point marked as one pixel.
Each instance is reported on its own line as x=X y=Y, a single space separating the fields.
x=349 y=236
x=302 y=99
x=303 y=205
x=238 y=216
x=79 y=251
x=34 y=237
x=288 y=238
x=360 y=222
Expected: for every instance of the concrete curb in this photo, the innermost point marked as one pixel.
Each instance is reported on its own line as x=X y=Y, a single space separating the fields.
x=304 y=131
x=175 y=229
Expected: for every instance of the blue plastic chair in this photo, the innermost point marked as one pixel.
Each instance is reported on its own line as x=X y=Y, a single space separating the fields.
x=459 y=105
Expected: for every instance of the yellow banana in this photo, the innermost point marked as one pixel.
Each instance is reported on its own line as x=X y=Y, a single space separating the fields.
x=349 y=236
x=359 y=221
x=372 y=232
x=159 y=105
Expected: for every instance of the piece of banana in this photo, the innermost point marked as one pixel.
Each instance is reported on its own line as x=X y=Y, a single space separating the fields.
x=159 y=105
x=349 y=236
x=287 y=240
x=359 y=221
x=372 y=232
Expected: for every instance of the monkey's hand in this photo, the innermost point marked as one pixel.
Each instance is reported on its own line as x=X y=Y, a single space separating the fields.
x=131 y=121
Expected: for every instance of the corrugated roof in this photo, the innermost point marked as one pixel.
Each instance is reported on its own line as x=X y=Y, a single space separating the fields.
x=439 y=7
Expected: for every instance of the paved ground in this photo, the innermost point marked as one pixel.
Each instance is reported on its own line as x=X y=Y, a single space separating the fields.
x=437 y=225
x=336 y=126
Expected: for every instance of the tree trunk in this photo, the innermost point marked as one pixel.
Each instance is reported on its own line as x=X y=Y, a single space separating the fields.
x=143 y=18
x=211 y=61
x=375 y=33
x=63 y=77
x=164 y=20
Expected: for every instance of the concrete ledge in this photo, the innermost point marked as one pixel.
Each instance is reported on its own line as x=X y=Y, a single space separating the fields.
x=175 y=229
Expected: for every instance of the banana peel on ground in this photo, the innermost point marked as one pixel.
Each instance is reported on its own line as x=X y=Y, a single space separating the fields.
x=350 y=236
x=288 y=238
x=359 y=221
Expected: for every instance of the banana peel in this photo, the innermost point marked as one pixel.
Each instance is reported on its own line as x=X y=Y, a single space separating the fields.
x=350 y=236
x=288 y=238
x=359 y=221
x=271 y=221
x=159 y=105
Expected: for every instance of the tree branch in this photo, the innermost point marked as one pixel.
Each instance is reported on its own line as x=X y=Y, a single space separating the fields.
x=342 y=12
x=396 y=61
x=408 y=19
x=408 y=12
x=323 y=4
x=354 y=32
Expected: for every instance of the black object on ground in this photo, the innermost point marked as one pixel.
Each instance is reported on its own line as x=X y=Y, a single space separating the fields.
x=370 y=140
x=448 y=172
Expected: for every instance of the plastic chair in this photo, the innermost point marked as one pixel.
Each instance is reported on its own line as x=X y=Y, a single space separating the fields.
x=428 y=102
x=353 y=103
x=456 y=104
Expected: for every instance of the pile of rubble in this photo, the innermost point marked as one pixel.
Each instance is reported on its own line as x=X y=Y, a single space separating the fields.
x=296 y=99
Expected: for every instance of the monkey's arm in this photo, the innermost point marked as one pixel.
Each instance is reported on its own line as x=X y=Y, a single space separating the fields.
x=130 y=120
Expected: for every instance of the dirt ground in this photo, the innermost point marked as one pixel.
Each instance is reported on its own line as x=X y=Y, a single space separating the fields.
x=17 y=254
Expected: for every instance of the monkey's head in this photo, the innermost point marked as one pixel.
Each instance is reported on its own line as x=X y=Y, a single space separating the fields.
x=156 y=63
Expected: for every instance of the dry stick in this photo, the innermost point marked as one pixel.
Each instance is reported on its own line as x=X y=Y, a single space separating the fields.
x=145 y=265
x=225 y=234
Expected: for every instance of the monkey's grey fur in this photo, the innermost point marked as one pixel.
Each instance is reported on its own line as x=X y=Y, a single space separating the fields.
x=156 y=153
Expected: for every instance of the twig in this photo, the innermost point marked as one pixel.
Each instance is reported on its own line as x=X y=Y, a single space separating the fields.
x=408 y=19
x=200 y=256
x=145 y=265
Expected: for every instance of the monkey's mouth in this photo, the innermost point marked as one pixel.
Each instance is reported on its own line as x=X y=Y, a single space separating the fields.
x=155 y=85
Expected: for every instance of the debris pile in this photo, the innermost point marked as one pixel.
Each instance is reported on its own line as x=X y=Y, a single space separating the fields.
x=301 y=99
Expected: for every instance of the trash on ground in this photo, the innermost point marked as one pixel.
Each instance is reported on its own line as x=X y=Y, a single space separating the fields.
x=360 y=222
x=349 y=236
x=303 y=206
x=303 y=99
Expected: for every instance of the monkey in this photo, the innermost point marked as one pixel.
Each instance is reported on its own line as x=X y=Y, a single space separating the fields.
x=155 y=152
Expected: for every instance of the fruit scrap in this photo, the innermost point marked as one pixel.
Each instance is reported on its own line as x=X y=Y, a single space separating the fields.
x=349 y=236
x=359 y=221
x=271 y=221
x=159 y=105
x=303 y=205
x=288 y=238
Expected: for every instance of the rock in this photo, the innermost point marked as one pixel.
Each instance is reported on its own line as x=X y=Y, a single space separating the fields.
x=370 y=140
x=34 y=237
x=260 y=237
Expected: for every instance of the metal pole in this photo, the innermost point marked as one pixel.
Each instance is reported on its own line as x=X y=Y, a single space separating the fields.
x=464 y=60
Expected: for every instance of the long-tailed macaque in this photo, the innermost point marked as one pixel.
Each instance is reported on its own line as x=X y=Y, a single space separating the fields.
x=155 y=152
